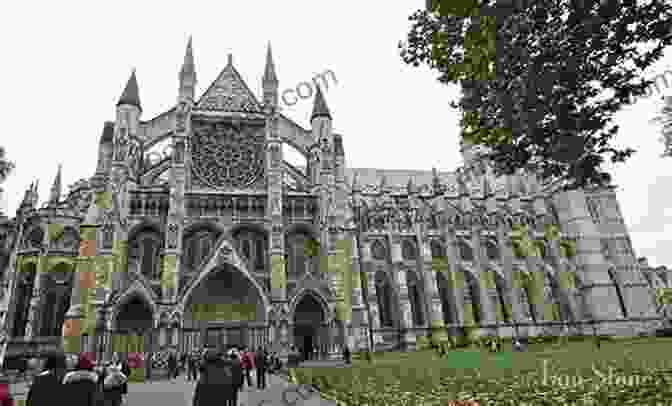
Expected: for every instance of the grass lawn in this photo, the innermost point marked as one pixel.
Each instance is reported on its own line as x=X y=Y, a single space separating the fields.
x=637 y=372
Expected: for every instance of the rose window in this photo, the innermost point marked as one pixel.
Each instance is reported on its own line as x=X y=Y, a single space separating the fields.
x=226 y=157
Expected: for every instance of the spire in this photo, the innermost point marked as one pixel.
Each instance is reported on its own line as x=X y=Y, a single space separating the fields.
x=410 y=186
x=320 y=108
x=131 y=94
x=355 y=182
x=55 y=194
x=436 y=181
x=188 y=65
x=269 y=71
x=34 y=197
x=229 y=61
x=383 y=183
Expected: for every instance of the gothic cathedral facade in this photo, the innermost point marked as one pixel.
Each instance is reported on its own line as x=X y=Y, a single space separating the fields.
x=319 y=255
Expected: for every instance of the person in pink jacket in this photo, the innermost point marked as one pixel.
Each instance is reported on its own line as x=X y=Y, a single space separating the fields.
x=247 y=362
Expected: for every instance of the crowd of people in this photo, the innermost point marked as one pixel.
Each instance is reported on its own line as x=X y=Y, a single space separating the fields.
x=80 y=382
x=219 y=375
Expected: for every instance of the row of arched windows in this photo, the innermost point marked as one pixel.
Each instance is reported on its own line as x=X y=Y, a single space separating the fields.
x=409 y=250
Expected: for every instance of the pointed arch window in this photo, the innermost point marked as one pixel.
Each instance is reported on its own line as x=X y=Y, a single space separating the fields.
x=437 y=249
x=466 y=253
x=491 y=251
x=414 y=296
x=444 y=292
x=408 y=250
x=471 y=296
x=150 y=254
x=260 y=254
x=378 y=251
x=503 y=310
x=246 y=248
x=384 y=299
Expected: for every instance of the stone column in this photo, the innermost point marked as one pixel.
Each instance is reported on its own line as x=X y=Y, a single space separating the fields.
x=406 y=319
x=456 y=282
x=36 y=299
x=359 y=316
x=373 y=303
x=484 y=279
x=511 y=279
x=275 y=220
x=438 y=329
x=170 y=277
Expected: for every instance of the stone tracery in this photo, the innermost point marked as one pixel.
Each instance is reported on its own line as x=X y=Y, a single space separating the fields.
x=224 y=156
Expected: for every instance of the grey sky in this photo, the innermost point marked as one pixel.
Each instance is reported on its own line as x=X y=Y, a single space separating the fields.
x=69 y=62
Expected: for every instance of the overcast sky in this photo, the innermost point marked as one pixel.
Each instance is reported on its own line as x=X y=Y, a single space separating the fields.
x=65 y=65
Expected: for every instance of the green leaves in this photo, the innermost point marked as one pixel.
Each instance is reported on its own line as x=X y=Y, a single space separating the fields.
x=552 y=59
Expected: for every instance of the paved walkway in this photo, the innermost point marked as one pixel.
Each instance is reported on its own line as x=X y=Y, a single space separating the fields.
x=180 y=392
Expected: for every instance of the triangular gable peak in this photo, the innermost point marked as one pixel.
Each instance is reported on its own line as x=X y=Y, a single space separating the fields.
x=229 y=93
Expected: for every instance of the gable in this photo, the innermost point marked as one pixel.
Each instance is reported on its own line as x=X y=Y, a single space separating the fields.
x=229 y=93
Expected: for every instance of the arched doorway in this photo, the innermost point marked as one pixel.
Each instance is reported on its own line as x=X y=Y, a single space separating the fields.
x=134 y=328
x=309 y=325
x=135 y=315
x=225 y=309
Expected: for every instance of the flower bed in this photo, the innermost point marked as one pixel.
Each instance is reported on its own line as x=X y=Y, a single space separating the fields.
x=572 y=374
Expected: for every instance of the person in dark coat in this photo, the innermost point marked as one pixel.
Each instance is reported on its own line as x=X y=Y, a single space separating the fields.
x=172 y=366
x=346 y=354
x=247 y=362
x=215 y=384
x=237 y=377
x=81 y=385
x=115 y=386
x=260 y=363
x=48 y=385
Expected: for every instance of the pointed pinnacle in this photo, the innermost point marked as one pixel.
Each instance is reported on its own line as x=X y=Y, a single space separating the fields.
x=269 y=70
x=383 y=183
x=355 y=182
x=188 y=65
x=410 y=186
x=131 y=94
x=320 y=108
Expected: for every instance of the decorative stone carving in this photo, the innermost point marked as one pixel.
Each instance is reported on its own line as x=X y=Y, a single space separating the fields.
x=225 y=255
x=224 y=157
x=172 y=231
x=108 y=235
x=183 y=110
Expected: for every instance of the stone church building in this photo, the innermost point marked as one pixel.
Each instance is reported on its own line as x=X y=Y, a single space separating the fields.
x=197 y=209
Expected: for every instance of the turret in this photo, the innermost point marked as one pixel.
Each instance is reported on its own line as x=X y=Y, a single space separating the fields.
x=463 y=191
x=320 y=121
x=55 y=193
x=129 y=109
x=187 y=75
x=269 y=82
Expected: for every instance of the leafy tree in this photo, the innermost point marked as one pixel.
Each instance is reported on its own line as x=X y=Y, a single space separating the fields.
x=542 y=81
x=664 y=119
x=5 y=166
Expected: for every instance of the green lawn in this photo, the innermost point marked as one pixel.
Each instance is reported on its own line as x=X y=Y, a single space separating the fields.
x=637 y=372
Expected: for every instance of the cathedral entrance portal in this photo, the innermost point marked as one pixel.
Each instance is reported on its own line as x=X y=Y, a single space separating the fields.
x=224 y=310
x=310 y=330
x=134 y=329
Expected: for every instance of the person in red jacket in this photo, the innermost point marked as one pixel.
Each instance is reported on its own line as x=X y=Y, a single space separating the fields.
x=5 y=393
x=247 y=362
